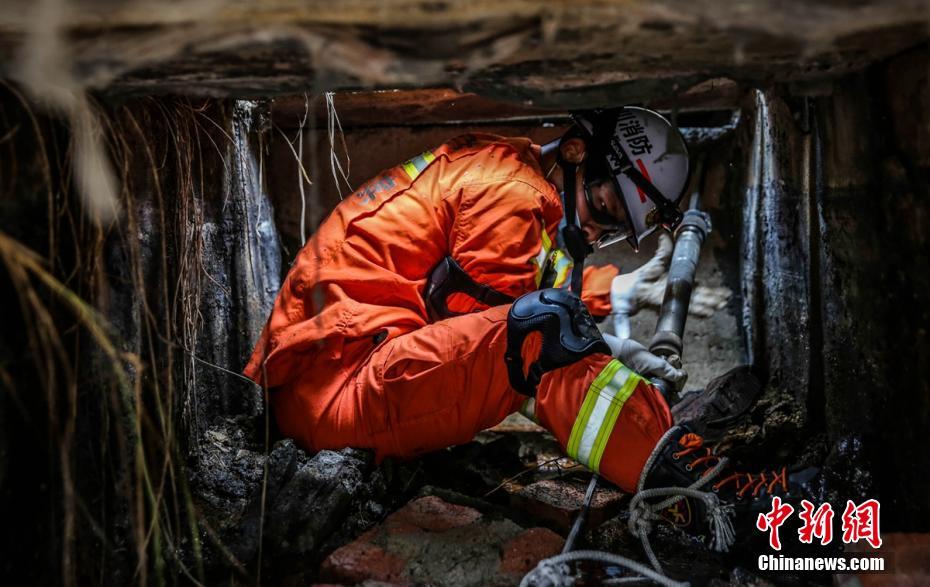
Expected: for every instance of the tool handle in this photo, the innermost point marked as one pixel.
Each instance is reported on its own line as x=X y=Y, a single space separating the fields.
x=670 y=328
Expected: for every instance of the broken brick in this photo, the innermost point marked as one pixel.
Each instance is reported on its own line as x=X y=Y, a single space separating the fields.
x=907 y=553
x=360 y=561
x=432 y=514
x=524 y=552
x=559 y=501
x=431 y=541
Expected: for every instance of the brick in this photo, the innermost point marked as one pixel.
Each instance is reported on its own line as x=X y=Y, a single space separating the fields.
x=431 y=541
x=910 y=553
x=559 y=501
x=432 y=514
x=523 y=552
x=360 y=561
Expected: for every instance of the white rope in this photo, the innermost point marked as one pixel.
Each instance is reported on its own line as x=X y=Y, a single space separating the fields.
x=652 y=457
x=643 y=514
x=553 y=572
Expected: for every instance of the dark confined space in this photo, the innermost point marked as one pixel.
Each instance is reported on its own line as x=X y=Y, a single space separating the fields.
x=152 y=203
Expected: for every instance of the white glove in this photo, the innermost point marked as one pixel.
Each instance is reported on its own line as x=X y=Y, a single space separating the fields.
x=638 y=358
x=646 y=287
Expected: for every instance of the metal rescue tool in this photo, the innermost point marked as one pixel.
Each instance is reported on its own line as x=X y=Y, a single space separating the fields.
x=670 y=327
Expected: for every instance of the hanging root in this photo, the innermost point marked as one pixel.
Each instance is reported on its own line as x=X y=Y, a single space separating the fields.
x=334 y=127
x=149 y=270
x=45 y=71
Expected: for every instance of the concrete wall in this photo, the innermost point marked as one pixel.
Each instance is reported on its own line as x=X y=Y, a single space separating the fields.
x=834 y=272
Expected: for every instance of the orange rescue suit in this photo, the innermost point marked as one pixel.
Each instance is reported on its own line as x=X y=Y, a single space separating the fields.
x=353 y=360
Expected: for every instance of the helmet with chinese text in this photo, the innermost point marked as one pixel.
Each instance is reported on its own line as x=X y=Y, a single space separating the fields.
x=645 y=158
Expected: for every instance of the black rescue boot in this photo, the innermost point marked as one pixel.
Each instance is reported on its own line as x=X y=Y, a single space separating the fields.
x=712 y=411
x=724 y=505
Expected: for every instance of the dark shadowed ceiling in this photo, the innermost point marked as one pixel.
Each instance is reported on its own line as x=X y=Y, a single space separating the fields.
x=545 y=53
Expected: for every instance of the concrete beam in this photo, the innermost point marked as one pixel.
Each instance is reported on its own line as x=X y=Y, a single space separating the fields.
x=546 y=53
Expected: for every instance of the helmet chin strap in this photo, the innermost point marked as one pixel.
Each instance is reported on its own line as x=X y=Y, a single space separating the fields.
x=669 y=214
x=572 y=234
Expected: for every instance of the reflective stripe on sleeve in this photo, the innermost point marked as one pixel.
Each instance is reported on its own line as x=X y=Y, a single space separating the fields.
x=562 y=265
x=415 y=166
x=599 y=412
x=540 y=259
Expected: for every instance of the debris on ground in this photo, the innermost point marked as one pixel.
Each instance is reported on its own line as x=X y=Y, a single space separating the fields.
x=432 y=541
x=558 y=501
x=488 y=511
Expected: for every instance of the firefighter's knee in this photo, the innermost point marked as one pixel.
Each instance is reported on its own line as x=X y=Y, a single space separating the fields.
x=568 y=335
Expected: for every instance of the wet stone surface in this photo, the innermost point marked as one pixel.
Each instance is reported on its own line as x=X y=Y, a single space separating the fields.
x=682 y=557
x=771 y=431
x=293 y=515
x=483 y=513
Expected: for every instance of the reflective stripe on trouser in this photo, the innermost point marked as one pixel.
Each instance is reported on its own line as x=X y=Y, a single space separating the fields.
x=599 y=412
x=604 y=416
x=562 y=265
x=555 y=270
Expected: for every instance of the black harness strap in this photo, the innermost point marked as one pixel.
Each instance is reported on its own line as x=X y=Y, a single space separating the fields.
x=668 y=211
x=572 y=234
x=448 y=278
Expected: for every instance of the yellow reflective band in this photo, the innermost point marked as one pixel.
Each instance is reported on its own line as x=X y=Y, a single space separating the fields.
x=415 y=166
x=540 y=259
x=599 y=412
x=562 y=264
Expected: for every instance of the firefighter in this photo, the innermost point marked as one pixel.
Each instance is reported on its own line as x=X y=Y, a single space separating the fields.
x=391 y=329
x=437 y=299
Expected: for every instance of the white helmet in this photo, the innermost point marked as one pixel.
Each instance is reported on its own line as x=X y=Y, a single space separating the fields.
x=647 y=160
